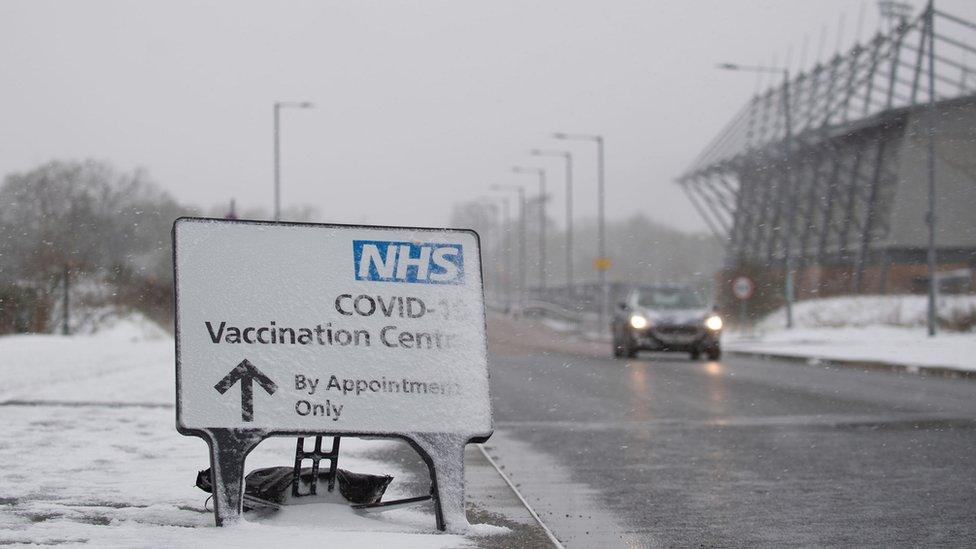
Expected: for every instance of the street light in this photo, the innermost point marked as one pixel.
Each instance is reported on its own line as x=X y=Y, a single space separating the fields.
x=933 y=289
x=542 y=219
x=277 y=149
x=788 y=248
x=602 y=261
x=521 y=263
x=569 y=209
x=504 y=247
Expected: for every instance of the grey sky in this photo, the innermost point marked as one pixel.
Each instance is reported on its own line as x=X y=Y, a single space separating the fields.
x=418 y=104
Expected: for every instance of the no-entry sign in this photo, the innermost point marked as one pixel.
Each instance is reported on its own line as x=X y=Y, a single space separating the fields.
x=300 y=329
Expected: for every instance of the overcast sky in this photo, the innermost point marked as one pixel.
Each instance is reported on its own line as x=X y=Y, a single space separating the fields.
x=418 y=104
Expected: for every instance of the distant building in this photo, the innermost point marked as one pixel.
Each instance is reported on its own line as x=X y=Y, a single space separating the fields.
x=851 y=203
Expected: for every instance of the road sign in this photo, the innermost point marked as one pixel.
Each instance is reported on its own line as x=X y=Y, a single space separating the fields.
x=743 y=287
x=602 y=263
x=345 y=330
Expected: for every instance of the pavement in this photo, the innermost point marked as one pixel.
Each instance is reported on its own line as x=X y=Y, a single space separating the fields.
x=902 y=348
x=490 y=500
x=664 y=451
x=90 y=458
x=861 y=364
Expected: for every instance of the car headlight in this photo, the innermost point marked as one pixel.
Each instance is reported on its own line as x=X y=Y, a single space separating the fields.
x=713 y=323
x=639 y=322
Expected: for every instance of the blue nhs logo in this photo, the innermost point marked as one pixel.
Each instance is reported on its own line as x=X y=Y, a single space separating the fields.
x=423 y=263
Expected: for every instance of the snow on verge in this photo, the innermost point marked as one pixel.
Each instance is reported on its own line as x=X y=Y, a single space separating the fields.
x=869 y=310
x=885 y=329
x=90 y=457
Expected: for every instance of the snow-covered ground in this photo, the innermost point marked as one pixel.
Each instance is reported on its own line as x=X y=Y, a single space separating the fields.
x=908 y=311
x=90 y=457
x=885 y=329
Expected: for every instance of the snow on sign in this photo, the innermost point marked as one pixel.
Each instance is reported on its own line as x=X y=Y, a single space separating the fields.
x=297 y=329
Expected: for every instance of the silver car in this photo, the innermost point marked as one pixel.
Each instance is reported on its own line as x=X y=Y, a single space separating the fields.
x=666 y=318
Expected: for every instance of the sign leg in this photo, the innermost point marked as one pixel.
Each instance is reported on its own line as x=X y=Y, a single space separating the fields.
x=228 y=450
x=445 y=458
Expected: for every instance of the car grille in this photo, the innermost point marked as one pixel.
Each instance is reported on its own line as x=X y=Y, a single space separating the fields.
x=685 y=331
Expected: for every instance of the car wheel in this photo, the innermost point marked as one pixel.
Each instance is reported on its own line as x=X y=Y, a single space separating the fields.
x=618 y=351
x=714 y=354
x=626 y=347
x=696 y=354
x=631 y=351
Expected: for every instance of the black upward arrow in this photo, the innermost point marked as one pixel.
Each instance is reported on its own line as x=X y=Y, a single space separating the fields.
x=247 y=373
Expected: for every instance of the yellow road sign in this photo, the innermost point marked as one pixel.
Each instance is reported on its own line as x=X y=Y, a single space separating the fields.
x=602 y=263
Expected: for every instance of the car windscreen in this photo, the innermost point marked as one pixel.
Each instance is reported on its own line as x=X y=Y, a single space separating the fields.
x=669 y=298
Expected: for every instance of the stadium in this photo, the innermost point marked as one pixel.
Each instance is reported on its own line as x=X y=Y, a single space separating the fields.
x=828 y=170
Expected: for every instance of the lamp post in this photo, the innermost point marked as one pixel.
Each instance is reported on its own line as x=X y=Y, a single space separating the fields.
x=933 y=289
x=504 y=247
x=787 y=179
x=520 y=189
x=277 y=149
x=569 y=209
x=542 y=220
x=602 y=261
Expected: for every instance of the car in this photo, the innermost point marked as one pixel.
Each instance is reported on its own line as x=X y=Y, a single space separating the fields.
x=666 y=318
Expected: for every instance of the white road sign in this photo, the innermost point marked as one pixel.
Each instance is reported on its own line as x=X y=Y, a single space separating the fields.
x=339 y=329
x=743 y=287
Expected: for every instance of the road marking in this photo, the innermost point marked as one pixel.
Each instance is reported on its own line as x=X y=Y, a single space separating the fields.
x=552 y=536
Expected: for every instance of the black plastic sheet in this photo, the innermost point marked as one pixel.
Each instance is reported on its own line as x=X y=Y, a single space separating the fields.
x=273 y=485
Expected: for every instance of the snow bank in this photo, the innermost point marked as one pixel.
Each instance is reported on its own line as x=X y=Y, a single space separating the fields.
x=95 y=307
x=869 y=310
x=885 y=329
x=111 y=323
x=910 y=347
x=90 y=457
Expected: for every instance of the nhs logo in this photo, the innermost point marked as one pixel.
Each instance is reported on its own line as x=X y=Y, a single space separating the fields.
x=424 y=263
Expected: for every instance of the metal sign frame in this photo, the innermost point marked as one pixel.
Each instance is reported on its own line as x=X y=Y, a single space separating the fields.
x=443 y=453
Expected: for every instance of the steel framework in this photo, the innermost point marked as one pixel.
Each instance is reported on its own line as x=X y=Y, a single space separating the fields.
x=849 y=119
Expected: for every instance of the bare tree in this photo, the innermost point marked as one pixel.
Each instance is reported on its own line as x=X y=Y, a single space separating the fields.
x=93 y=221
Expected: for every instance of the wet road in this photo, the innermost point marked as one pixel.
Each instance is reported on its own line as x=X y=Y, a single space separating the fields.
x=663 y=451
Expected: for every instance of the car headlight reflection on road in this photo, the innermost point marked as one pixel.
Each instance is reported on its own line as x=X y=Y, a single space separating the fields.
x=639 y=322
x=713 y=323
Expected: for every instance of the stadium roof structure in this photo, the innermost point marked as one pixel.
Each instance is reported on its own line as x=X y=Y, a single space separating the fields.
x=841 y=115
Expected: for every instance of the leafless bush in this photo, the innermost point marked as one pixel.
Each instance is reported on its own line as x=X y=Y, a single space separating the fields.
x=96 y=222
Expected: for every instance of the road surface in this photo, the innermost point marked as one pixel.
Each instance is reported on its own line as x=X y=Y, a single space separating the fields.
x=664 y=451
